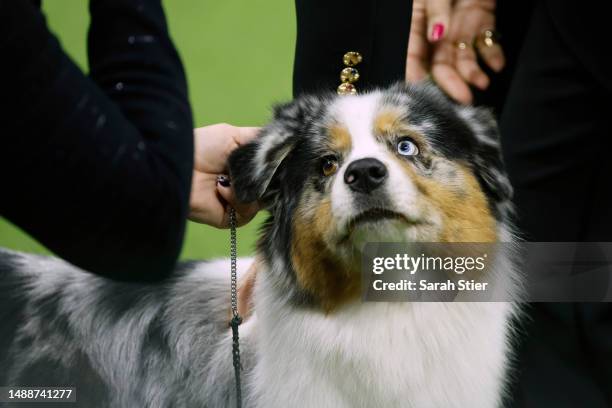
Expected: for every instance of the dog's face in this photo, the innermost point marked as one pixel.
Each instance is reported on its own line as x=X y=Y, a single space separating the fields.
x=403 y=164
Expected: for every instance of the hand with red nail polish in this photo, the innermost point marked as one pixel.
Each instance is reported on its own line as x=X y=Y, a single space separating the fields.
x=435 y=53
x=211 y=190
x=430 y=22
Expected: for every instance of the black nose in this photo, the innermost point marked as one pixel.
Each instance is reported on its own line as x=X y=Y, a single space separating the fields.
x=365 y=175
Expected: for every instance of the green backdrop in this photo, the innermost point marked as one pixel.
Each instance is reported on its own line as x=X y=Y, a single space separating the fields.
x=238 y=55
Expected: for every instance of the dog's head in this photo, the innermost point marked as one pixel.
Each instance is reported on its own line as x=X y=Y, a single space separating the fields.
x=403 y=164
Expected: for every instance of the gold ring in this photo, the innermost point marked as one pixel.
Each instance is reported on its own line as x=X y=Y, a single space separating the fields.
x=462 y=45
x=489 y=37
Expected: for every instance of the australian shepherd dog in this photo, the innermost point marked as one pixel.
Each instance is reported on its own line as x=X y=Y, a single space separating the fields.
x=330 y=170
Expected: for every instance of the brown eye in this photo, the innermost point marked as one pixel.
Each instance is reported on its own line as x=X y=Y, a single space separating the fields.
x=329 y=166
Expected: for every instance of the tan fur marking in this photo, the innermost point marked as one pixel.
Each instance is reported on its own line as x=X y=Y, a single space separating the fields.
x=466 y=216
x=318 y=271
x=391 y=122
x=340 y=138
x=246 y=287
x=388 y=121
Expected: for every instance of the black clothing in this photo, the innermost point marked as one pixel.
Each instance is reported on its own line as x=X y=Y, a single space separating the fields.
x=98 y=168
x=556 y=142
x=326 y=30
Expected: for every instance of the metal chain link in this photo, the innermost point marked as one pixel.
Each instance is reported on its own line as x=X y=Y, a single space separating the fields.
x=233 y=256
x=236 y=319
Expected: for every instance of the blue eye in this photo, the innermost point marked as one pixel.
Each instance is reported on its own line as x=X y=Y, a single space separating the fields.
x=407 y=147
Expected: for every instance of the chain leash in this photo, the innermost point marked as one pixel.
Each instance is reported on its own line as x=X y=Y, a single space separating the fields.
x=236 y=319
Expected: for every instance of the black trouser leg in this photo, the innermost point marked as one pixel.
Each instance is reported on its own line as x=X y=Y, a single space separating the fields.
x=556 y=139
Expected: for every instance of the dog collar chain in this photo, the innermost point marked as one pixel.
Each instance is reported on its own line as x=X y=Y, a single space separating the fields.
x=236 y=319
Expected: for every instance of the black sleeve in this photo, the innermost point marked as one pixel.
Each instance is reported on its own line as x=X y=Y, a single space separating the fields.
x=327 y=29
x=97 y=169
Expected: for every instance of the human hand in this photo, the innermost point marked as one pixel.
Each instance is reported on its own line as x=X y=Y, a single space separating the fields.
x=451 y=58
x=211 y=198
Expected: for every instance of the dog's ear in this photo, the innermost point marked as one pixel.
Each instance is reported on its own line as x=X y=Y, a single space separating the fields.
x=487 y=158
x=254 y=165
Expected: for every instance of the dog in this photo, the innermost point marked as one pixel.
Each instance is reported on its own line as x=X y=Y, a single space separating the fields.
x=331 y=170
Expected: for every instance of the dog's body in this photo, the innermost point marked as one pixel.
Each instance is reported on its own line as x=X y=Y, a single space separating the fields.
x=334 y=172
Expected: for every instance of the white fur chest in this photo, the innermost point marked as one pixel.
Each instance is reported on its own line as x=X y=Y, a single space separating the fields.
x=380 y=355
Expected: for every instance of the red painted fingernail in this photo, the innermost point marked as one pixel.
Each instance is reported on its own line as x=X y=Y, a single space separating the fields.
x=437 y=32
